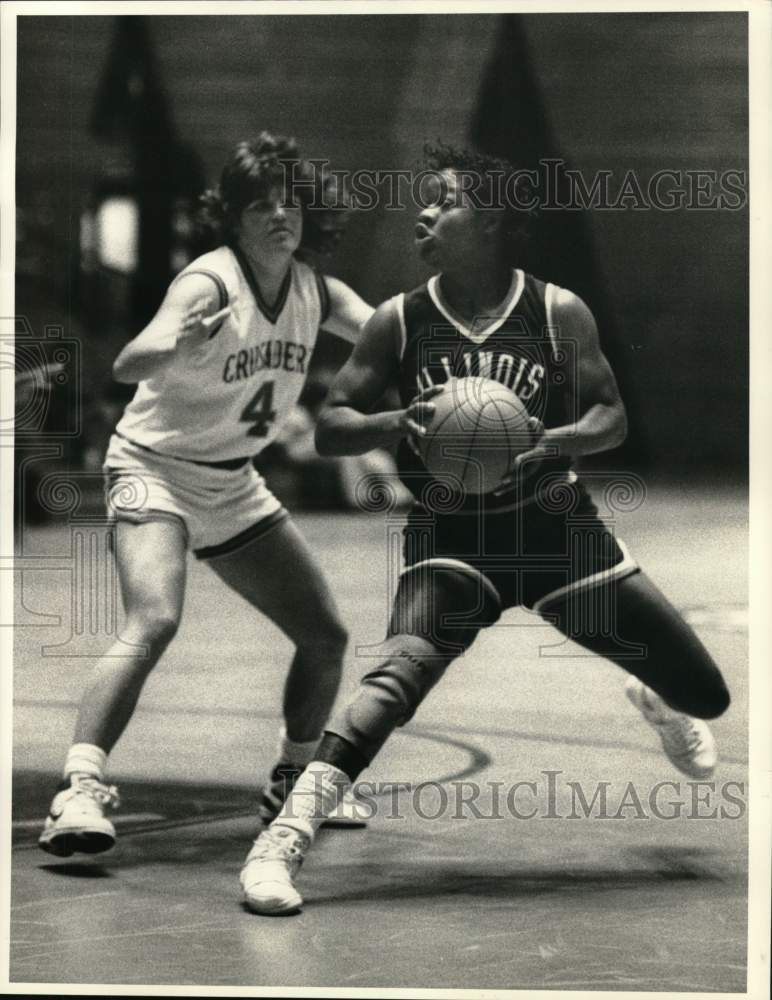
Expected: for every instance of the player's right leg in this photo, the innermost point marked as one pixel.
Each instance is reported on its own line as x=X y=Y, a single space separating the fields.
x=675 y=683
x=439 y=607
x=150 y=558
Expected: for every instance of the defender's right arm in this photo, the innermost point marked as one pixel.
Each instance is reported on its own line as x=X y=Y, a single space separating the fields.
x=186 y=316
x=345 y=425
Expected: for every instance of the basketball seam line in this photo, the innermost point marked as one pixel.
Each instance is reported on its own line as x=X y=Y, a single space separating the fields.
x=471 y=445
x=434 y=431
x=509 y=443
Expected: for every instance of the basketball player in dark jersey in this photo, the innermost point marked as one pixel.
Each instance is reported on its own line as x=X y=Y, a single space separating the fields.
x=536 y=541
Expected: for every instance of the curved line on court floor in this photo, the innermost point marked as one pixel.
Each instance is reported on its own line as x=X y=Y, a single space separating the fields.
x=479 y=760
x=514 y=734
x=581 y=741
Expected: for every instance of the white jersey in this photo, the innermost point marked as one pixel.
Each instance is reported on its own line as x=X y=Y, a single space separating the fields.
x=227 y=399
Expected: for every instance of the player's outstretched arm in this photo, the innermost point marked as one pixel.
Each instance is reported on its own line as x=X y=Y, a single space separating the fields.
x=348 y=311
x=187 y=316
x=345 y=425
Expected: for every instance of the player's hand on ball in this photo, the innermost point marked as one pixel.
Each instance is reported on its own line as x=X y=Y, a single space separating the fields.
x=415 y=419
x=526 y=462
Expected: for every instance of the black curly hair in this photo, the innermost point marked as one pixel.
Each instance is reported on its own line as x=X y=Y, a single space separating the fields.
x=493 y=183
x=260 y=165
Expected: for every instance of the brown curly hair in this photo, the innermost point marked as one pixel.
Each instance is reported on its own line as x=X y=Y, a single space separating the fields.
x=258 y=166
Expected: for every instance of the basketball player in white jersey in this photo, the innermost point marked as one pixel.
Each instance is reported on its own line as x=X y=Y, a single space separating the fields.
x=219 y=368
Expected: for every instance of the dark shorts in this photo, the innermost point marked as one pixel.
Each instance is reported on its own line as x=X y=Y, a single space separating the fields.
x=533 y=555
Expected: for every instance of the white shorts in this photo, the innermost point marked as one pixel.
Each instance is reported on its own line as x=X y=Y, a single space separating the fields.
x=220 y=509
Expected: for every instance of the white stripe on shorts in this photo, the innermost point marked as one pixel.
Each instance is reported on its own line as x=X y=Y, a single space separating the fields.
x=622 y=569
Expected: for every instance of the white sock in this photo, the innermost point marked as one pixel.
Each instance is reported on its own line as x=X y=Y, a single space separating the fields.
x=317 y=792
x=299 y=754
x=86 y=759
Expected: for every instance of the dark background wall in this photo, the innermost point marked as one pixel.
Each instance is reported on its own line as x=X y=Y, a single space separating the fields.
x=617 y=92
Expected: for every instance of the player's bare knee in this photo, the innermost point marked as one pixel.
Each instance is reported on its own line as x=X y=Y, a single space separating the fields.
x=336 y=634
x=155 y=628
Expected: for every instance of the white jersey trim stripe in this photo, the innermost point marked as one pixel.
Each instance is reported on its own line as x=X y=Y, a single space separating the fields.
x=399 y=305
x=222 y=290
x=552 y=331
x=516 y=290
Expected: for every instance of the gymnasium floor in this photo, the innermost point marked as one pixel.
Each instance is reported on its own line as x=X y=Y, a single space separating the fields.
x=627 y=903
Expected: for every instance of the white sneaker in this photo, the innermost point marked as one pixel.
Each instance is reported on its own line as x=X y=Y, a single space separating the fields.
x=688 y=742
x=269 y=870
x=77 y=820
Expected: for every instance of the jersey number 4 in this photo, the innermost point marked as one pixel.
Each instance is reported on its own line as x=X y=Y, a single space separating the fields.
x=259 y=411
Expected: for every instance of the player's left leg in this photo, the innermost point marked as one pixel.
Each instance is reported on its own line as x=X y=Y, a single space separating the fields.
x=675 y=682
x=439 y=608
x=150 y=557
x=278 y=575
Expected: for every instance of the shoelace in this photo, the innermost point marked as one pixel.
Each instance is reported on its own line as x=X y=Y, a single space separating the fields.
x=683 y=737
x=270 y=847
x=105 y=795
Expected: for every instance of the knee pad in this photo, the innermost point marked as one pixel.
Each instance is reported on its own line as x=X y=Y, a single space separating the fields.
x=390 y=694
x=446 y=602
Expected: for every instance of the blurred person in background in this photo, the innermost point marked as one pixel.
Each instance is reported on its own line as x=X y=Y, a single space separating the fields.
x=219 y=369
x=30 y=382
x=330 y=481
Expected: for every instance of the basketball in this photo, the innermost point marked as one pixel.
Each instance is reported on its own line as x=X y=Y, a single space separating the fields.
x=478 y=428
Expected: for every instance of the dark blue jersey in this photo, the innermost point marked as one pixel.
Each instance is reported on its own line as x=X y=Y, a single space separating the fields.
x=517 y=347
